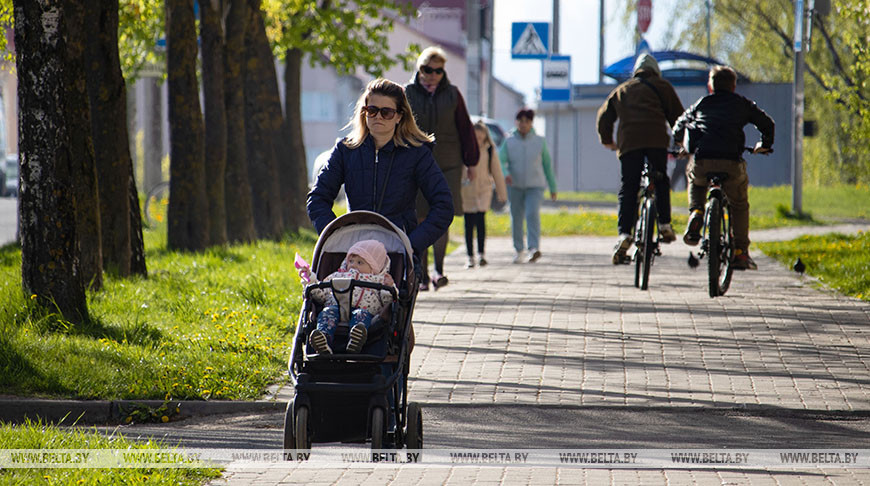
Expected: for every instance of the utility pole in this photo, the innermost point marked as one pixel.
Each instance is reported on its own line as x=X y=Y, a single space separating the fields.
x=490 y=78
x=800 y=38
x=601 y=42
x=472 y=55
x=709 y=50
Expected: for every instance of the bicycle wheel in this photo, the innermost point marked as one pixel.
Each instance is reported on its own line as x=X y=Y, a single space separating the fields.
x=726 y=270
x=713 y=223
x=639 y=238
x=649 y=230
x=156 y=203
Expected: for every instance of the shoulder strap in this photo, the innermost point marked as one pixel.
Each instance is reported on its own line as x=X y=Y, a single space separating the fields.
x=659 y=95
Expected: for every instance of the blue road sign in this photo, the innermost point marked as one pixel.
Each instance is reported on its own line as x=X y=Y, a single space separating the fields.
x=530 y=40
x=556 y=78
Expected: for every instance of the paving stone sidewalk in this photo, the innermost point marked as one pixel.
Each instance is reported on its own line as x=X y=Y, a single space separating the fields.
x=571 y=329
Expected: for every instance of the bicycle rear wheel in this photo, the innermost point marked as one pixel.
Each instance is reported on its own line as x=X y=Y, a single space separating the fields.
x=645 y=256
x=726 y=270
x=713 y=222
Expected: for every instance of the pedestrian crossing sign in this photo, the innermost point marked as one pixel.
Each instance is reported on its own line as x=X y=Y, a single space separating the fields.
x=530 y=40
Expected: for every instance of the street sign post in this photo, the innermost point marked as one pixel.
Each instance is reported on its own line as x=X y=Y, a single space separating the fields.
x=530 y=40
x=556 y=78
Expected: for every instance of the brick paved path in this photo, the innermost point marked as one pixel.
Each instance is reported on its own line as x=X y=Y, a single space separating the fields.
x=571 y=329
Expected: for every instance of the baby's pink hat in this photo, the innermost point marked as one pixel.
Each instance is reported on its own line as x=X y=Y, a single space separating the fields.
x=372 y=251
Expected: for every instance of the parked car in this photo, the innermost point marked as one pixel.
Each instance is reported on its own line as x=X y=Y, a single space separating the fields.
x=495 y=130
x=11 y=172
x=498 y=135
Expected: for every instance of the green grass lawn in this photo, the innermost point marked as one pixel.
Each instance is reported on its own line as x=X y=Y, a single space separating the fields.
x=839 y=261
x=215 y=325
x=46 y=437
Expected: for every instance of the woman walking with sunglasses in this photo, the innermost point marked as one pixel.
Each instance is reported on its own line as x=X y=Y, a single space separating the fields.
x=440 y=110
x=383 y=163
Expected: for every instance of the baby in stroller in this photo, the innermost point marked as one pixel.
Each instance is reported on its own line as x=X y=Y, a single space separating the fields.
x=367 y=261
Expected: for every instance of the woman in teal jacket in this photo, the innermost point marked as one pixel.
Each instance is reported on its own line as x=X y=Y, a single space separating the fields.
x=527 y=172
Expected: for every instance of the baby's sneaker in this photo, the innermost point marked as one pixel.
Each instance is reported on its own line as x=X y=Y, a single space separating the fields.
x=358 y=336
x=318 y=340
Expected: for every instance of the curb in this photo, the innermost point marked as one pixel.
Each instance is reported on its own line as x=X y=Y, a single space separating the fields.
x=16 y=411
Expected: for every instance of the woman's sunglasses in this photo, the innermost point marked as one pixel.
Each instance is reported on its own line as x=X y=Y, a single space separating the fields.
x=386 y=113
x=428 y=70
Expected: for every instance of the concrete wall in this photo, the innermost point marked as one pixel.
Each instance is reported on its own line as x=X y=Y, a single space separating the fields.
x=582 y=164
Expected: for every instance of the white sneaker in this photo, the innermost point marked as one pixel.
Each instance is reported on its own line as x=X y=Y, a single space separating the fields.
x=481 y=260
x=534 y=254
x=469 y=262
x=519 y=257
x=621 y=247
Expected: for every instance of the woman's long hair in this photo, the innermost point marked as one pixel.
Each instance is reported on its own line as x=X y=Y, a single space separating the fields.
x=407 y=132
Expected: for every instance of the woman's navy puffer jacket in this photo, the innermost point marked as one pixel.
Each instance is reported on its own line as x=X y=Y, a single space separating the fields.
x=410 y=168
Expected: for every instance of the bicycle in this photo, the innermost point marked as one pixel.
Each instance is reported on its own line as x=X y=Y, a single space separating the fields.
x=717 y=239
x=155 y=204
x=647 y=246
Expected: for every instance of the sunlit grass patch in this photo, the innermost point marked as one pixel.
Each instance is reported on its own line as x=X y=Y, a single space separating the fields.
x=212 y=325
x=839 y=261
x=35 y=435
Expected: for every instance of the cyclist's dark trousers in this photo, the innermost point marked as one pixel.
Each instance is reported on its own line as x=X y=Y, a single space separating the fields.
x=632 y=167
x=736 y=190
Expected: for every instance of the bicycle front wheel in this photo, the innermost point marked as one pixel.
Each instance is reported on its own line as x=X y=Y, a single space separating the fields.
x=647 y=248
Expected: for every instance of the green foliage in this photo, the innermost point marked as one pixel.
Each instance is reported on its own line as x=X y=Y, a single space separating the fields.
x=141 y=24
x=839 y=261
x=851 y=88
x=6 y=19
x=38 y=435
x=347 y=35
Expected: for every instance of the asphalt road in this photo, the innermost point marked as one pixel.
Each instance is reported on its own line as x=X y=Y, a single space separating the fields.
x=518 y=426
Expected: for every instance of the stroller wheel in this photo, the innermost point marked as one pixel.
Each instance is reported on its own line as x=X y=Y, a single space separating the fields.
x=414 y=432
x=378 y=428
x=289 y=430
x=303 y=441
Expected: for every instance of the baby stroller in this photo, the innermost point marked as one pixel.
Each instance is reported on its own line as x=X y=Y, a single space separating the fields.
x=356 y=397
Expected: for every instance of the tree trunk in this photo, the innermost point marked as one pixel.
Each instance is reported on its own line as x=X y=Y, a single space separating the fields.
x=85 y=181
x=261 y=99
x=50 y=263
x=188 y=204
x=294 y=177
x=212 y=33
x=137 y=242
x=108 y=98
x=237 y=191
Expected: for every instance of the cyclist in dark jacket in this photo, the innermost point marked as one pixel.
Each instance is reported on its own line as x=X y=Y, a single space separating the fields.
x=714 y=129
x=645 y=105
x=383 y=163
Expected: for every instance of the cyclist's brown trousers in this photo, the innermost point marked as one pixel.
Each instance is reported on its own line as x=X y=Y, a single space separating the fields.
x=735 y=187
